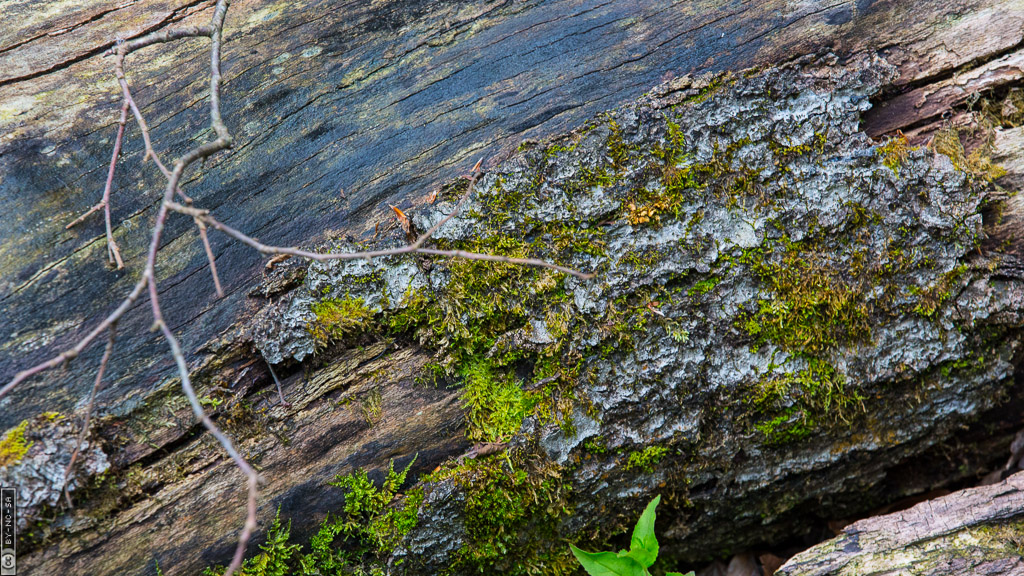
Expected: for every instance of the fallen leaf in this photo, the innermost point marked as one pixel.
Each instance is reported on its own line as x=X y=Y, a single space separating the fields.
x=403 y=220
x=277 y=260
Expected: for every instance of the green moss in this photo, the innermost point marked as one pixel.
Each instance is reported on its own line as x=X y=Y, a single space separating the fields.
x=372 y=523
x=275 y=558
x=931 y=299
x=785 y=153
x=790 y=426
x=646 y=459
x=894 y=152
x=617 y=149
x=811 y=309
x=715 y=85
x=14 y=446
x=336 y=319
x=511 y=519
x=793 y=405
x=703 y=286
x=495 y=403
x=595 y=445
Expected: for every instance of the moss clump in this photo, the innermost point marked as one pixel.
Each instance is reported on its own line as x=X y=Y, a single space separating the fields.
x=373 y=521
x=646 y=459
x=811 y=310
x=370 y=522
x=511 y=519
x=703 y=286
x=794 y=404
x=14 y=446
x=336 y=319
x=715 y=85
x=977 y=163
x=894 y=152
x=495 y=403
x=275 y=558
x=932 y=298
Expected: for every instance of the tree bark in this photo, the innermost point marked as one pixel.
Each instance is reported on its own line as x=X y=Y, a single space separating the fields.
x=341 y=109
x=975 y=531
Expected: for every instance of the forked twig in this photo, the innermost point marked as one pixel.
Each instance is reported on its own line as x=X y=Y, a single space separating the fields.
x=203 y=219
x=112 y=251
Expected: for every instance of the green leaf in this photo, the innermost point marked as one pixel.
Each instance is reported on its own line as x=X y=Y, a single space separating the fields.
x=607 y=563
x=690 y=573
x=643 y=546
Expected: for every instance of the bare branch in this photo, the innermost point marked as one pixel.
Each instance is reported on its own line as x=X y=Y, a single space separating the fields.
x=163 y=36
x=212 y=222
x=278 y=382
x=143 y=126
x=74 y=351
x=112 y=251
x=209 y=256
x=458 y=206
x=204 y=219
x=112 y=335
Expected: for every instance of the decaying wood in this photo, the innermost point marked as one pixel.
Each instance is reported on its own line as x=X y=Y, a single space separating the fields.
x=383 y=100
x=977 y=531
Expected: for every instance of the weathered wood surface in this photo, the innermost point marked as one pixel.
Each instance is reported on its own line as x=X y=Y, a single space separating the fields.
x=971 y=532
x=383 y=100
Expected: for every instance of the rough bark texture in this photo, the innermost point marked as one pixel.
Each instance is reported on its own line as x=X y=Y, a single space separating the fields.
x=977 y=531
x=389 y=100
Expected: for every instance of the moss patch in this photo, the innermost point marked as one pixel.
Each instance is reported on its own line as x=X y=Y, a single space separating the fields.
x=336 y=319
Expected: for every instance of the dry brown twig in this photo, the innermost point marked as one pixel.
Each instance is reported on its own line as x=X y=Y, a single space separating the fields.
x=203 y=220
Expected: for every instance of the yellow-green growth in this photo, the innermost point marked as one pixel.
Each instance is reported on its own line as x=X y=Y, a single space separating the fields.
x=805 y=397
x=704 y=286
x=336 y=319
x=495 y=403
x=275 y=558
x=811 y=311
x=933 y=297
x=894 y=152
x=978 y=163
x=501 y=502
x=646 y=459
x=14 y=446
x=372 y=523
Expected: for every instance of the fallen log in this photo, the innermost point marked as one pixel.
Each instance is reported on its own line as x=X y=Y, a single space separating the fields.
x=684 y=369
x=973 y=531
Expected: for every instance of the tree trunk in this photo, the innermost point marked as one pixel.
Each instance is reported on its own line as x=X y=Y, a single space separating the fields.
x=683 y=368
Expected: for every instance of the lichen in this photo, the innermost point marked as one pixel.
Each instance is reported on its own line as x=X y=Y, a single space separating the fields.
x=14 y=446
x=767 y=283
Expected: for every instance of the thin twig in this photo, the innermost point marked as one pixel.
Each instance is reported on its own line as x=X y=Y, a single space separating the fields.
x=143 y=126
x=209 y=256
x=112 y=335
x=168 y=35
x=212 y=222
x=278 y=382
x=112 y=251
x=74 y=351
x=458 y=206
x=203 y=219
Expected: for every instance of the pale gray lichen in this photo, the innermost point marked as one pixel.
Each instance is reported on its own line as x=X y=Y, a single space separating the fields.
x=38 y=475
x=773 y=305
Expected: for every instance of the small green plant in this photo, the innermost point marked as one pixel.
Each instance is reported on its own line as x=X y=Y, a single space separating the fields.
x=273 y=561
x=643 y=551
